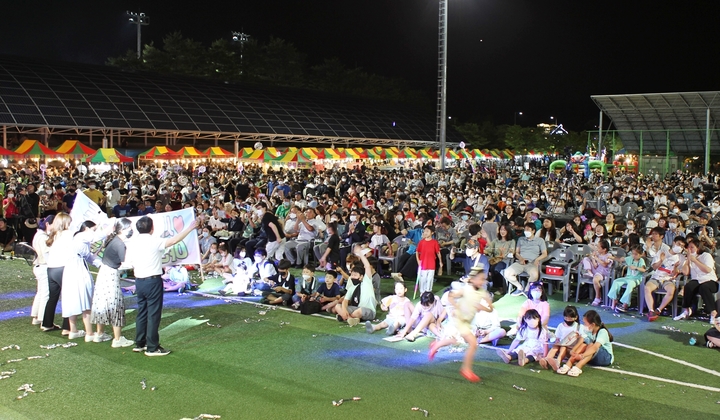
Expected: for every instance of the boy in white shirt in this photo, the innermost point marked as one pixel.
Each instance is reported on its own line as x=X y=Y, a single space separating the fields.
x=666 y=266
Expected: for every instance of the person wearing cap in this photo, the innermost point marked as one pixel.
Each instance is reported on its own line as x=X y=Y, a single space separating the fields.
x=7 y=236
x=94 y=194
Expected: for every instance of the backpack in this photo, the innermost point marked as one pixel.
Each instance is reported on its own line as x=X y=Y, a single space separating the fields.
x=275 y=276
x=310 y=307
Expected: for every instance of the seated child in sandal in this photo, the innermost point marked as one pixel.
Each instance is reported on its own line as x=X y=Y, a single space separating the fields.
x=567 y=335
x=399 y=309
x=531 y=342
x=597 y=349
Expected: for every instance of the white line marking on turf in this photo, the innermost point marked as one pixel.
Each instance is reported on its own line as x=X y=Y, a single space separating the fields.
x=662 y=356
x=655 y=378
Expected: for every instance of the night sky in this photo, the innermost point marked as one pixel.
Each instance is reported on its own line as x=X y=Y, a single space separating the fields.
x=544 y=58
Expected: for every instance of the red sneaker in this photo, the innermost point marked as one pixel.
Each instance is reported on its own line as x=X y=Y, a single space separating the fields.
x=469 y=375
x=652 y=316
x=433 y=350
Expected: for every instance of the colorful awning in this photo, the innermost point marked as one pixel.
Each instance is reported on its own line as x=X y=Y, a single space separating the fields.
x=190 y=152
x=35 y=148
x=449 y=154
x=412 y=153
x=7 y=153
x=310 y=154
x=248 y=153
x=464 y=154
x=376 y=153
x=428 y=154
x=159 y=152
x=334 y=154
x=108 y=156
x=356 y=153
x=218 y=152
x=74 y=148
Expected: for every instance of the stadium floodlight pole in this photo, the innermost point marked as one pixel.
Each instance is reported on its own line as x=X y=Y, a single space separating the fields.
x=139 y=19
x=515 y=117
x=442 y=76
x=242 y=38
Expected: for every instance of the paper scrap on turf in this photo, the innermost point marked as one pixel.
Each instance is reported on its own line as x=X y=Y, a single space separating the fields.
x=393 y=338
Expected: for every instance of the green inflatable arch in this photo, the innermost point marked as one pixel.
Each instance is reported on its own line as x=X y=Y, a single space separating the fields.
x=558 y=165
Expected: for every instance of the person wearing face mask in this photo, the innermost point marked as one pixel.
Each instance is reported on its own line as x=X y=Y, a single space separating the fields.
x=530 y=344
x=206 y=240
x=108 y=307
x=699 y=266
x=359 y=302
x=529 y=252
x=674 y=230
x=94 y=194
x=284 y=289
x=10 y=210
x=614 y=207
x=666 y=264
x=308 y=285
x=567 y=332
x=270 y=225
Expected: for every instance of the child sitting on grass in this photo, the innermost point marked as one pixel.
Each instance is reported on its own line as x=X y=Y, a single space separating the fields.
x=466 y=302
x=537 y=300
x=428 y=314
x=284 y=288
x=399 y=309
x=329 y=293
x=531 y=341
x=636 y=267
x=564 y=338
x=308 y=285
x=596 y=348
x=712 y=336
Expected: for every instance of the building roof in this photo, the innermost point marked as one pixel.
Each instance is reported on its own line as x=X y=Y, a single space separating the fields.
x=680 y=115
x=83 y=99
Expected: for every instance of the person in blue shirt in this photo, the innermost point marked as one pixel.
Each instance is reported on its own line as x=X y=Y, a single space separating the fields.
x=122 y=209
x=145 y=208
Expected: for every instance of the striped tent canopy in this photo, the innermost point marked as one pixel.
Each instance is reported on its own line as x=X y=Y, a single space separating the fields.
x=248 y=153
x=35 y=148
x=395 y=153
x=218 y=152
x=356 y=153
x=159 y=152
x=480 y=154
x=7 y=153
x=428 y=154
x=74 y=148
x=284 y=156
x=108 y=156
x=507 y=154
x=273 y=154
x=190 y=152
x=376 y=153
x=334 y=154
x=464 y=154
x=310 y=154
x=449 y=154
x=412 y=153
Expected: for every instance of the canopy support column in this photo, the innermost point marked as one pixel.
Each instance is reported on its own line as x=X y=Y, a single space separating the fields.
x=599 y=149
x=707 y=141
x=667 y=152
x=640 y=156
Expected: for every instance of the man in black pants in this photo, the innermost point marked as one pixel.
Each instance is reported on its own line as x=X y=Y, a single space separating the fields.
x=145 y=255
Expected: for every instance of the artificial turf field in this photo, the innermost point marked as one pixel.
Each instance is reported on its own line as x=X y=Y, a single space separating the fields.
x=286 y=365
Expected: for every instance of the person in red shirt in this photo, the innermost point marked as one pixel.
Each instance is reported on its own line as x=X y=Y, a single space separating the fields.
x=427 y=250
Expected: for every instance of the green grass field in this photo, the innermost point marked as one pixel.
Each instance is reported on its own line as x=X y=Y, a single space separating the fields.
x=286 y=365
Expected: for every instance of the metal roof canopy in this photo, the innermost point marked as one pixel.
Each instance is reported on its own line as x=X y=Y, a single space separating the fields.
x=680 y=118
x=67 y=98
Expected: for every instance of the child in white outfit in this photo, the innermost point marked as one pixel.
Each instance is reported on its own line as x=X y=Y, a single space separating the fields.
x=530 y=344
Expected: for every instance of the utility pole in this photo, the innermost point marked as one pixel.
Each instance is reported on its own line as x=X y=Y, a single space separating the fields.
x=242 y=38
x=442 y=80
x=139 y=19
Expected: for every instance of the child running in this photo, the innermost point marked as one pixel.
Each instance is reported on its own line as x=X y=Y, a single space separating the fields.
x=466 y=302
x=597 y=345
x=636 y=267
x=567 y=337
x=531 y=341
x=399 y=309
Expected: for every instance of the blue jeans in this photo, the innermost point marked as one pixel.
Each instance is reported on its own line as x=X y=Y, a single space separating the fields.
x=601 y=358
x=150 y=293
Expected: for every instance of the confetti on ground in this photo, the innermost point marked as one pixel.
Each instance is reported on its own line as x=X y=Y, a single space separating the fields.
x=490 y=398
x=10 y=347
x=340 y=402
x=262 y=312
x=14 y=360
x=619 y=395
x=143 y=384
x=63 y=345
x=202 y=417
x=425 y=412
x=534 y=371
x=28 y=388
x=213 y=325
x=519 y=388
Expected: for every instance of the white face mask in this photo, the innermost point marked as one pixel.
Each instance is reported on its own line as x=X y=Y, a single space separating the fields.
x=398 y=218
x=258 y=259
x=259 y=213
x=205 y=234
x=528 y=234
x=536 y=294
x=676 y=249
x=306 y=277
x=11 y=195
x=470 y=252
x=353 y=217
x=656 y=216
x=293 y=216
x=672 y=225
x=242 y=254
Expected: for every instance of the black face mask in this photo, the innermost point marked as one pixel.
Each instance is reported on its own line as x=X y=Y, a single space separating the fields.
x=130 y=234
x=569 y=323
x=355 y=281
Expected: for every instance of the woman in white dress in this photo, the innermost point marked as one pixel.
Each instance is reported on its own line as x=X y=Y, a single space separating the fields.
x=77 y=281
x=108 y=306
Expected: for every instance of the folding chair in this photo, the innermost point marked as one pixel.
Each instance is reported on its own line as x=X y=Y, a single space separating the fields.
x=581 y=279
x=564 y=260
x=641 y=291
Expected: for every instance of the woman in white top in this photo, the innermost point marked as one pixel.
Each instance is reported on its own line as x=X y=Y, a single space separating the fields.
x=700 y=266
x=40 y=270
x=58 y=240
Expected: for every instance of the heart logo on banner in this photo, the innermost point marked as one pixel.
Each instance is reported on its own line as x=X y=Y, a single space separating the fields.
x=178 y=224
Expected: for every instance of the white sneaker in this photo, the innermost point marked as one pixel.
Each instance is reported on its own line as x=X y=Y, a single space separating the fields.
x=78 y=334
x=683 y=315
x=122 y=342
x=89 y=338
x=353 y=321
x=99 y=338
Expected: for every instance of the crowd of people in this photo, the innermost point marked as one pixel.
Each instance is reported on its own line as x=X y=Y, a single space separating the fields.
x=361 y=224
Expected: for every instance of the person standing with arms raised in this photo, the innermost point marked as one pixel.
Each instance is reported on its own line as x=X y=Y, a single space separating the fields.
x=145 y=255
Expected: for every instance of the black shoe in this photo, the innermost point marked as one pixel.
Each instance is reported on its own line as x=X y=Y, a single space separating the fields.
x=339 y=318
x=159 y=352
x=138 y=349
x=221 y=292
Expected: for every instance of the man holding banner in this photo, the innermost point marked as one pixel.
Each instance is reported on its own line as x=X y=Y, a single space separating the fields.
x=146 y=257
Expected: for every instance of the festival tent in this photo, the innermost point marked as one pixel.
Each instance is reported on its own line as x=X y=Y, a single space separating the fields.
x=310 y=154
x=35 y=148
x=334 y=154
x=108 y=156
x=190 y=152
x=7 y=153
x=356 y=153
x=159 y=152
x=428 y=154
x=449 y=154
x=412 y=153
x=395 y=153
x=464 y=154
x=218 y=152
x=376 y=153
x=71 y=148
x=248 y=153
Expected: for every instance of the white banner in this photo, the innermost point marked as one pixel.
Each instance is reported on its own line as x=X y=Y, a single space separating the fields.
x=165 y=225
